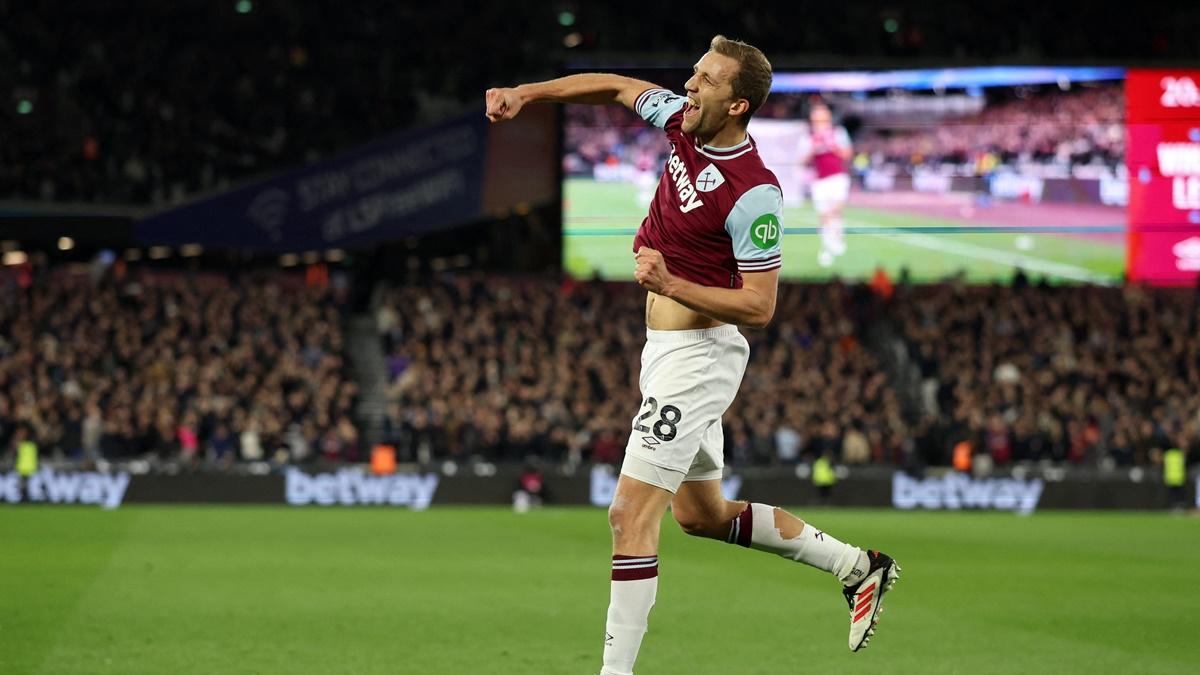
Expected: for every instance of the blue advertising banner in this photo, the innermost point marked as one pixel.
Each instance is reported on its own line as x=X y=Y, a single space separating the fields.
x=403 y=185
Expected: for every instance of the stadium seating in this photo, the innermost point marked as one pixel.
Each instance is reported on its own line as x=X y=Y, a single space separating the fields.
x=1089 y=375
x=172 y=367
x=206 y=371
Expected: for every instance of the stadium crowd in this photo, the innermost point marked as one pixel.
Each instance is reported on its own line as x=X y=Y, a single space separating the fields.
x=612 y=137
x=1082 y=374
x=1084 y=126
x=174 y=367
x=1068 y=374
x=204 y=370
x=509 y=368
x=1081 y=126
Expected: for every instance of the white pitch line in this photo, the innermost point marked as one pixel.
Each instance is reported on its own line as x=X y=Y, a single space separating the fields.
x=965 y=250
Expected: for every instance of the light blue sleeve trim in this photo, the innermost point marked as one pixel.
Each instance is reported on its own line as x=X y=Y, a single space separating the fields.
x=755 y=224
x=657 y=105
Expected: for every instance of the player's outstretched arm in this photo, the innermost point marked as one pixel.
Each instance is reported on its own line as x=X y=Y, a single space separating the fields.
x=504 y=103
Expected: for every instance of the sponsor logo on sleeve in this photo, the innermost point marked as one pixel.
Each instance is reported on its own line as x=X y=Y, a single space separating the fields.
x=765 y=231
x=656 y=99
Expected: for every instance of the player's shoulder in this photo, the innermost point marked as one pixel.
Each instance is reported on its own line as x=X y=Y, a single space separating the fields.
x=751 y=171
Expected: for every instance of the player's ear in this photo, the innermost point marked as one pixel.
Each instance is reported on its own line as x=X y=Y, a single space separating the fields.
x=739 y=107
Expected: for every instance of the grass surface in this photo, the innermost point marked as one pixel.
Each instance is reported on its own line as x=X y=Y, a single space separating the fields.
x=484 y=590
x=601 y=218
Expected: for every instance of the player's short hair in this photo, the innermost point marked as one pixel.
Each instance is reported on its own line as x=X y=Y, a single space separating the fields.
x=753 y=79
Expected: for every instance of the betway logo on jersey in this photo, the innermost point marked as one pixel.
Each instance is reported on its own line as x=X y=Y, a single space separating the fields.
x=688 y=198
x=956 y=491
x=349 y=487
x=85 y=487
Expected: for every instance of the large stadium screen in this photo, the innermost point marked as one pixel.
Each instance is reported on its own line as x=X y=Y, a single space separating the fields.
x=933 y=174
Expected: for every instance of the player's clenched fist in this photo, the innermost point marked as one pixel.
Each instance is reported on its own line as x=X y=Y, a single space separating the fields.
x=502 y=103
x=651 y=271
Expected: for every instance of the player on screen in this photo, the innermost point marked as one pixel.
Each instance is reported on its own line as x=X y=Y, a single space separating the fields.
x=708 y=253
x=828 y=150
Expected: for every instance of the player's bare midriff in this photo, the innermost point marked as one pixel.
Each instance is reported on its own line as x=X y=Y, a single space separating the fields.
x=663 y=313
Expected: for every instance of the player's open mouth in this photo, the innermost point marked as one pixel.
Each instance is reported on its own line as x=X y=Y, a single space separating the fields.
x=691 y=109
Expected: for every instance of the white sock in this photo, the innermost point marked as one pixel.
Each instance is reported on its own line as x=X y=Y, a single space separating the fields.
x=828 y=238
x=837 y=238
x=812 y=547
x=634 y=585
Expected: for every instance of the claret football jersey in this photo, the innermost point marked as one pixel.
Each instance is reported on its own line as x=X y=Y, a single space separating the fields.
x=718 y=212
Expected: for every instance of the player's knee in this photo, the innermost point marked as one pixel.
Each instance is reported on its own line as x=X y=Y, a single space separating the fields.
x=632 y=528
x=694 y=522
x=616 y=518
x=623 y=517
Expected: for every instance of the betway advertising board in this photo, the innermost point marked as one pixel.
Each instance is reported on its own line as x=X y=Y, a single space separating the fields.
x=355 y=488
x=64 y=487
x=591 y=486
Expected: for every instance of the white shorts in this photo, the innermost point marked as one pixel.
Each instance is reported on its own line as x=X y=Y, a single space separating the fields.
x=689 y=378
x=830 y=192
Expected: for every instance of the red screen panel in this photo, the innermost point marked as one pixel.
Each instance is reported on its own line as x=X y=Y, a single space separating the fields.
x=1163 y=155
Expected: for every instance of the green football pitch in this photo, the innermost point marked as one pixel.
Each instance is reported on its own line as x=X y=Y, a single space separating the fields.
x=485 y=590
x=600 y=220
